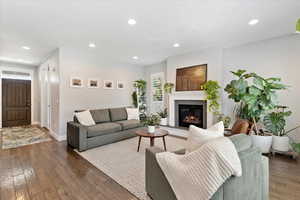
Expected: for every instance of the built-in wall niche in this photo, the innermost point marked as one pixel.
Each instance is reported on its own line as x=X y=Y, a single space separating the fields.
x=191 y=78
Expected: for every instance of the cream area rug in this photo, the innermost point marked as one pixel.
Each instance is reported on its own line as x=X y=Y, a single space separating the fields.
x=124 y=164
x=23 y=135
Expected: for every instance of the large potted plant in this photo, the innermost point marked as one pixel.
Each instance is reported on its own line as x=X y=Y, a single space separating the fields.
x=151 y=121
x=256 y=96
x=275 y=123
x=163 y=117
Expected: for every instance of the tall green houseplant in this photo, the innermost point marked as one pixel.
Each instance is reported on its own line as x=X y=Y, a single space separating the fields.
x=140 y=86
x=255 y=95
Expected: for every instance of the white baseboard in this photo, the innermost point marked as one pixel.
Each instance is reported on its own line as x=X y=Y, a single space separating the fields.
x=57 y=136
x=62 y=138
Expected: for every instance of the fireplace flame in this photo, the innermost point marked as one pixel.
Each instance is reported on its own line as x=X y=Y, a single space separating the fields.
x=192 y=119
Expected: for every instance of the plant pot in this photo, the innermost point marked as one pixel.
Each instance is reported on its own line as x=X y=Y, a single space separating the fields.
x=264 y=143
x=281 y=143
x=151 y=129
x=164 y=121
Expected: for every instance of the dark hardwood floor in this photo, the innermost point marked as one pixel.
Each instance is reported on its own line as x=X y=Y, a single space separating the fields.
x=51 y=170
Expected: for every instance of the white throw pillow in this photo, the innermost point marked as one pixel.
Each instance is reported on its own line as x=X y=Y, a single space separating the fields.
x=199 y=136
x=85 y=118
x=132 y=113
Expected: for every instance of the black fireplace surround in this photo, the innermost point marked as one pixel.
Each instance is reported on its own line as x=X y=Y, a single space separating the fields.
x=190 y=112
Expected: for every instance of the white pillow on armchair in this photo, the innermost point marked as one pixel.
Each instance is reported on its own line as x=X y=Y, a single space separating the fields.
x=199 y=136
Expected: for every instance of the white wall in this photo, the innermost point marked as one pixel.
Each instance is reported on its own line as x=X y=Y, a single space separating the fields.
x=36 y=94
x=211 y=57
x=278 y=57
x=49 y=83
x=86 y=64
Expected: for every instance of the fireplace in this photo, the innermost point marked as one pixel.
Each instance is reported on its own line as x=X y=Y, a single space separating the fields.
x=190 y=112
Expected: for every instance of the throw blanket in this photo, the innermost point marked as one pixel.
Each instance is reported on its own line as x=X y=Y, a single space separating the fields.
x=199 y=174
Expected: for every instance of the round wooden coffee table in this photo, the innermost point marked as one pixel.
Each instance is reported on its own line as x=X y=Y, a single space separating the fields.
x=159 y=133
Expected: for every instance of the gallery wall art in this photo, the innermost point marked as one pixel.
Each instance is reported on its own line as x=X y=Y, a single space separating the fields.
x=108 y=84
x=93 y=83
x=76 y=82
x=120 y=85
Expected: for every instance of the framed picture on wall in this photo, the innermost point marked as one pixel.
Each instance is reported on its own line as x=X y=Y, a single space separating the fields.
x=120 y=85
x=76 y=82
x=107 y=84
x=93 y=83
x=191 y=78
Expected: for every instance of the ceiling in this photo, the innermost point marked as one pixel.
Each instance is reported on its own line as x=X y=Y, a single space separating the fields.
x=45 y=25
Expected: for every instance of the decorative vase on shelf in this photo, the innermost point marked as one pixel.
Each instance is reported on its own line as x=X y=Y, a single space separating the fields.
x=151 y=129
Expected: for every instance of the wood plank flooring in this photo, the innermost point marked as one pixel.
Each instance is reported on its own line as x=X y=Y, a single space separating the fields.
x=52 y=171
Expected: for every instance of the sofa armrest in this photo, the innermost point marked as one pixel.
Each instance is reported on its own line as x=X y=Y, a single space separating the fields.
x=265 y=178
x=157 y=186
x=77 y=135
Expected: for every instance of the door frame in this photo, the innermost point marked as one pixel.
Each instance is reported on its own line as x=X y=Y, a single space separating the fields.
x=45 y=104
x=18 y=69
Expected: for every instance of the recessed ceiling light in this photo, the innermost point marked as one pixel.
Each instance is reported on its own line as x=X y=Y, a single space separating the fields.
x=253 y=22
x=131 y=22
x=92 y=45
x=26 y=47
x=176 y=45
x=135 y=57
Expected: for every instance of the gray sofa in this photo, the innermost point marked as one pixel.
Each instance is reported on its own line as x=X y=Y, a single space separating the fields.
x=111 y=126
x=252 y=185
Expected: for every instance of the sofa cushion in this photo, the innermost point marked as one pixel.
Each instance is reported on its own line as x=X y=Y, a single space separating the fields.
x=103 y=129
x=129 y=124
x=118 y=114
x=100 y=115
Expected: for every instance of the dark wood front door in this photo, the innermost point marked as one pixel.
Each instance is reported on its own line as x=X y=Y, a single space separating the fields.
x=16 y=102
